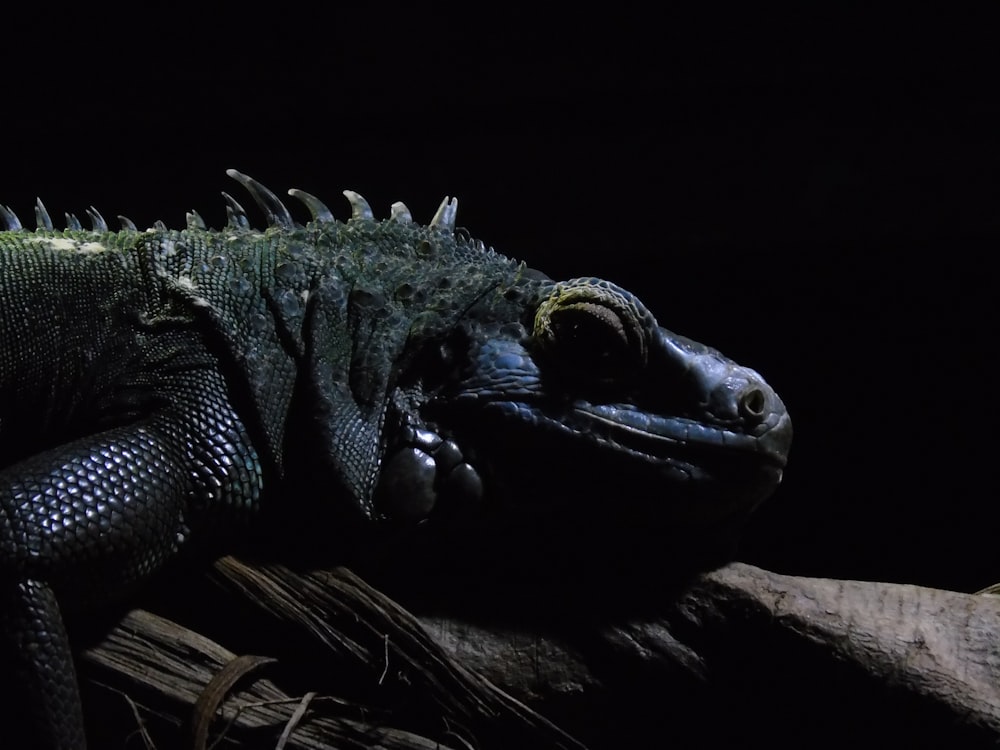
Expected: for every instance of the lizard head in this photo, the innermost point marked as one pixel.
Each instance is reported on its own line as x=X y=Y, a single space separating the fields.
x=570 y=397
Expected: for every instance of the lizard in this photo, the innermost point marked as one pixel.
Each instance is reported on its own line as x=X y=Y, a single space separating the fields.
x=164 y=385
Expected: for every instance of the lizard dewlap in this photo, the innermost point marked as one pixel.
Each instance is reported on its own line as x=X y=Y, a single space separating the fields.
x=161 y=385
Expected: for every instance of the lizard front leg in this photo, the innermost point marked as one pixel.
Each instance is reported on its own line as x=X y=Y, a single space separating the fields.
x=87 y=520
x=39 y=663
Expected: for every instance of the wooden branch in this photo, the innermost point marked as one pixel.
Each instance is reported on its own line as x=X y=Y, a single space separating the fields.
x=385 y=668
x=741 y=654
x=152 y=656
x=815 y=661
x=942 y=646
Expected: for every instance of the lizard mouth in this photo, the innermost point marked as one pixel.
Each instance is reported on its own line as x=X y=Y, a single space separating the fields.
x=654 y=438
x=584 y=454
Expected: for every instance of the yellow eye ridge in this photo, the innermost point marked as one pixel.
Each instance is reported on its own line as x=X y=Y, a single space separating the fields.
x=616 y=309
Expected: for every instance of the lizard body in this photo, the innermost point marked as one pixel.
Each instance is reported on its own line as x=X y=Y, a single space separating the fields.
x=162 y=385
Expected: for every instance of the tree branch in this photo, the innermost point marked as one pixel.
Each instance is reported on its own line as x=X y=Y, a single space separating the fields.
x=738 y=654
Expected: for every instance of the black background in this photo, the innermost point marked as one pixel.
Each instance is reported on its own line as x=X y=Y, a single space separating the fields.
x=815 y=194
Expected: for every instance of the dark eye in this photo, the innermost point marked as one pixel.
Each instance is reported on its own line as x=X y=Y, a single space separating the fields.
x=590 y=334
x=590 y=338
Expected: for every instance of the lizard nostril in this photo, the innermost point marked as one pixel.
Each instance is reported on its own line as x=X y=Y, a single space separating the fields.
x=752 y=404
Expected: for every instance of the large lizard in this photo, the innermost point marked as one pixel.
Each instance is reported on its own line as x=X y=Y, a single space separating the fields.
x=162 y=385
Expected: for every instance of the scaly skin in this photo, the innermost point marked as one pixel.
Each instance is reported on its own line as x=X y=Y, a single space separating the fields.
x=162 y=385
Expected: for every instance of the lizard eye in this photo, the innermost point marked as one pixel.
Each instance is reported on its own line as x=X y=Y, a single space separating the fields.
x=589 y=337
x=590 y=333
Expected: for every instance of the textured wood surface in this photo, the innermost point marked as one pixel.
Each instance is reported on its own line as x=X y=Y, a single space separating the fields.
x=740 y=653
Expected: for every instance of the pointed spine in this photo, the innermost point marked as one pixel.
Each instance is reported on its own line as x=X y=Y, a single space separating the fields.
x=42 y=218
x=235 y=214
x=444 y=218
x=400 y=213
x=359 y=206
x=317 y=209
x=194 y=220
x=10 y=219
x=97 y=222
x=275 y=211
